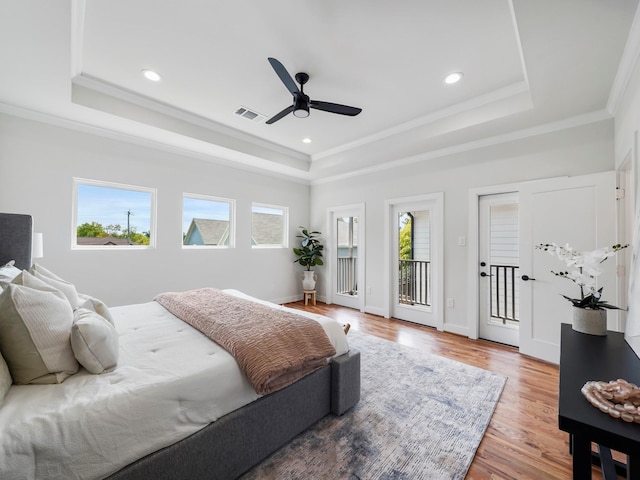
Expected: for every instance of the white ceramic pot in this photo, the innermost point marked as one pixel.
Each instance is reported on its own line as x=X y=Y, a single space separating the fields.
x=586 y=320
x=308 y=280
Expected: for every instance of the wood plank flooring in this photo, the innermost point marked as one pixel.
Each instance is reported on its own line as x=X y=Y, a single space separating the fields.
x=523 y=440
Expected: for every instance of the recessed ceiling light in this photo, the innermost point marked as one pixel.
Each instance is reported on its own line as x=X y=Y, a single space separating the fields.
x=454 y=77
x=151 y=75
x=306 y=140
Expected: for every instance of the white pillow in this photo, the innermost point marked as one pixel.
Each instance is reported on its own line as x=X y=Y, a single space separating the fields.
x=95 y=305
x=8 y=272
x=36 y=267
x=35 y=330
x=5 y=379
x=65 y=287
x=94 y=341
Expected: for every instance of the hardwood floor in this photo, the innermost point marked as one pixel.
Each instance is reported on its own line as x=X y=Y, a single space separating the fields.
x=523 y=440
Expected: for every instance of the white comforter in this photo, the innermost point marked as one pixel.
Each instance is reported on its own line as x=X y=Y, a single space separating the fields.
x=170 y=382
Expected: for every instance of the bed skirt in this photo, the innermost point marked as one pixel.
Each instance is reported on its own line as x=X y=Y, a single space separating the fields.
x=233 y=444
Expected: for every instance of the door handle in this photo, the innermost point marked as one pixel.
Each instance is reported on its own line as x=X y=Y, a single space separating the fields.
x=485 y=274
x=526 y=278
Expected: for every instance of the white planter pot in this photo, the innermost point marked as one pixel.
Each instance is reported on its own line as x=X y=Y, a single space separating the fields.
x=586 y=320
x=309 y=280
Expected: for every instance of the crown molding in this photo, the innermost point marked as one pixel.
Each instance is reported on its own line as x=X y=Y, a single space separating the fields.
x=476 y=102
x=207 y=152
x=629 y=61
x=577 y=121
x=110 y=90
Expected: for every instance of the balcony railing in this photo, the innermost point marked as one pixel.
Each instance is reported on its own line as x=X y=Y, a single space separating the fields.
x=504 y=293
x=414 y=278
x=347 y=281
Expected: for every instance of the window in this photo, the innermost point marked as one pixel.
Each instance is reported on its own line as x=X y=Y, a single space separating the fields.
x=207 y=221
x=112 y=215
x=269 y=224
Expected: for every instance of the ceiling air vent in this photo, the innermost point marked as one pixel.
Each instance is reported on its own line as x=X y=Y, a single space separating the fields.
x=250 y=114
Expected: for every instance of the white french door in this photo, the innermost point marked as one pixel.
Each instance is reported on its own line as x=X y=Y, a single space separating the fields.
x=346 y=256
x=499 y=255
x=414 y=265
x=580 y=211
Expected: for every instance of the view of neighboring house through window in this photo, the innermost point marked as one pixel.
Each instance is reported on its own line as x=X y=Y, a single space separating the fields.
x=113 y=215
x=207 y=221
x=269 y=225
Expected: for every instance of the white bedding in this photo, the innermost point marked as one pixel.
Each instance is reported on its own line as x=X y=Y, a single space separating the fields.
x=170 y=382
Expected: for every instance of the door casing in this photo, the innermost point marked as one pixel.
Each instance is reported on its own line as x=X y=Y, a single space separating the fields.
x=353 y=210
x=436 y=206
x=473 y=258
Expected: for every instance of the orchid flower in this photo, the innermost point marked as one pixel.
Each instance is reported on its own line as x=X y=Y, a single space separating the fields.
x=585 y=269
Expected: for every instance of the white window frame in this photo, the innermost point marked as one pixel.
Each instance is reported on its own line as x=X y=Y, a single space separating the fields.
x=232 y=221
x=119 y=186
x=285 y=225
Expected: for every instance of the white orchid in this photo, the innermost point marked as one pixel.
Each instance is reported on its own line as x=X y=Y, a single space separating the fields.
x=586 y=267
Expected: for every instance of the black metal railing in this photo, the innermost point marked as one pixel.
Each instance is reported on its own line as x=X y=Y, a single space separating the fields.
x=504 y=292
x=414 y=279
x=347 y=280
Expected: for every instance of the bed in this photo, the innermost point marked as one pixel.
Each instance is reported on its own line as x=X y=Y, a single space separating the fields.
x=221 y=432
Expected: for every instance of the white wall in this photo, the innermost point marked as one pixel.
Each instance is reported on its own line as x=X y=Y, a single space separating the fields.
x=38 y=161
x=627 y=125
x=576 y=151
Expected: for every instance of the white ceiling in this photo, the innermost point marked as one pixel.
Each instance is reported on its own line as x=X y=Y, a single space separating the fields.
x=527 y=65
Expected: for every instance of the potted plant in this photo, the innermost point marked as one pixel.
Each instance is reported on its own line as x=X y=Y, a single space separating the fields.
x=309 y=255
x=589 y=313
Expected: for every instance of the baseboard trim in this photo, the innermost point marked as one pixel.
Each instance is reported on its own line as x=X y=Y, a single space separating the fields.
x=374 y=311
x=457 y=329
x=291 y=299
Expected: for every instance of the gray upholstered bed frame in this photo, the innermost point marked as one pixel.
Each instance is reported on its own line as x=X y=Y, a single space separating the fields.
x=15 y=239
x=233 y=444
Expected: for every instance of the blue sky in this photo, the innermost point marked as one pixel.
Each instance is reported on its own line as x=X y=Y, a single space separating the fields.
x=201 y=208
x=109 y=206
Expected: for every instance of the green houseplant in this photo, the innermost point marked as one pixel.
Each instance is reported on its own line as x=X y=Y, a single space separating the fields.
x=309 y=255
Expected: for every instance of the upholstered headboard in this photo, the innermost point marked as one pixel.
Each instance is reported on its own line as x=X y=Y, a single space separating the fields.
x=15 y=239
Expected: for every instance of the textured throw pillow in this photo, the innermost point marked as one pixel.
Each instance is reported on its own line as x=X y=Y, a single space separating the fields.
x=5 y=379
x=95 y=305
x=94 y=341
x=35 y=330
x=65 y=287
x=8 y=272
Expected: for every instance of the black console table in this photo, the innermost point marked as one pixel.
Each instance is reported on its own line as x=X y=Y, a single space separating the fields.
x=588 y=357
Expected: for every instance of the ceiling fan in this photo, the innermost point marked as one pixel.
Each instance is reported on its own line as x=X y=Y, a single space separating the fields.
x=301 y=102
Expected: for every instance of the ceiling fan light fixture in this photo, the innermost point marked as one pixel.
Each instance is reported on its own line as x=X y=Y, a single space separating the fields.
x=301 y=110
x=452 y=78
x=151 y=75
x=301 y=101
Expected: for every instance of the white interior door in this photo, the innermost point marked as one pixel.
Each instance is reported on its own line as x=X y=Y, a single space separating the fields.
x=580 y=211
x=499 y=255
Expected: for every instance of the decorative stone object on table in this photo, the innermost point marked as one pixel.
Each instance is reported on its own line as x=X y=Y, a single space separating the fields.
x=618 y=398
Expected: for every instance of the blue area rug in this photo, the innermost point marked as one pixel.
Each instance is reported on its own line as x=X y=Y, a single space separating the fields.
x=421 y=416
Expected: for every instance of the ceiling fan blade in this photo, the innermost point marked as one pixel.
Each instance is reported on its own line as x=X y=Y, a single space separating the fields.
x=278 y=116
x=284 y=76
x=335 y=108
